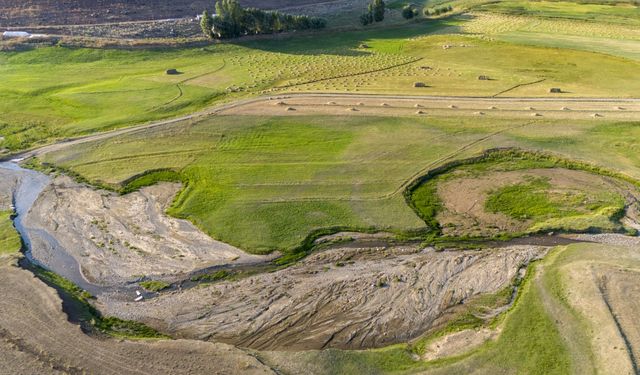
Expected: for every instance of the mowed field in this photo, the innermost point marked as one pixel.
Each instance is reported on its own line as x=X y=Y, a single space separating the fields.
x=266 y=182
x=58 y=92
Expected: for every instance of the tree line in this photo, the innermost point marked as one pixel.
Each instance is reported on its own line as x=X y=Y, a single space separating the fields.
x=231 y=20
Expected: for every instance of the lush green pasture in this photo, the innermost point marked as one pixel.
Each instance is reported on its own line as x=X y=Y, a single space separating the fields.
x=264 y=183
x=9 y=239
x=60 y=92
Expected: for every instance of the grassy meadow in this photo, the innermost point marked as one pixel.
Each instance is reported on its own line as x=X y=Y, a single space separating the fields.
x=57 y=92
x=265 y=183
x=9 y=239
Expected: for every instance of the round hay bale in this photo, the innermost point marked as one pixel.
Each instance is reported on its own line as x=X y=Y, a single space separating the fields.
x=384 y=105
x=363 y=45
x=479 y=113
x=331 y=103
x=529 y=108
x=453 y=106
x=280 y=103
x=421 y=113
x=555 y=90
x=536 y=115
x=483 y=78
x=361 y=104
x=596 y=115
x=352 y=109
x=619 y=108
x=565 y=108
x=419 y=84
x=172 y=71
x=492 y=107
x=418 y=106
x=290 y=109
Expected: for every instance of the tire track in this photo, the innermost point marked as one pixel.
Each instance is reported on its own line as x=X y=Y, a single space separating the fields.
x=518 y=86
x=602 y=287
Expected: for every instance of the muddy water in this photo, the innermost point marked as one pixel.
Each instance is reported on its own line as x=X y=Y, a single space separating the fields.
x=30 y=185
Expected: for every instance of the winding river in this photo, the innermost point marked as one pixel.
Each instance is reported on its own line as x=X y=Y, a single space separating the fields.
x=30 y=185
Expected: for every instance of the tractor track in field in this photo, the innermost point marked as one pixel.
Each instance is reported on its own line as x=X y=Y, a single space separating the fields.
x=222 y=108
x=603 y=288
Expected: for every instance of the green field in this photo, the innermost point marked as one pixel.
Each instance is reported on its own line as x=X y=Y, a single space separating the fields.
x=265 y=183
x=9 y=239
x=57 y=92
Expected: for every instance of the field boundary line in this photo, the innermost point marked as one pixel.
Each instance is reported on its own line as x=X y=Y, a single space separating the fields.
x=518 y=86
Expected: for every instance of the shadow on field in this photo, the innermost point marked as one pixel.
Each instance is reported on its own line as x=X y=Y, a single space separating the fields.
x=344 y=43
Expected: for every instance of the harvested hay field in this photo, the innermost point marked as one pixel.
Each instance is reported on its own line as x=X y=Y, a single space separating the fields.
x=36 y=338
x=405 y=105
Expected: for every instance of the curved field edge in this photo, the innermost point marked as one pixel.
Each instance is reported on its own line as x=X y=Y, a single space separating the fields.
x=422 y=197
x=426 y=209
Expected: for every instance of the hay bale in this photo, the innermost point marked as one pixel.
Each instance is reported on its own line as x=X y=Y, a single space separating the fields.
x=172 y=71
x=492 y=107
x=565 y=108
x=483 y=78
x=331 y=103
x=453 y=106
x=421 y=113
x=555 y=90
x=619 y=108
x=363 y=45
x=384 y=105
x=352 y=109
x=596 y=115
x=280 y=103
x=536 y=115
x=479 y=113
x=361 y=104
x=529 y=108
x=418 y=106
x=290 y=109
x=419 y=84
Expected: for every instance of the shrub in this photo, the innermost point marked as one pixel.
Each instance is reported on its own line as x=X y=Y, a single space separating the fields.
x=408 y=12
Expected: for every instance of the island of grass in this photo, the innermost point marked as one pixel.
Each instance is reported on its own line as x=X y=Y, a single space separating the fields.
x=507 y=193
x=154 y=285
x=9 y=239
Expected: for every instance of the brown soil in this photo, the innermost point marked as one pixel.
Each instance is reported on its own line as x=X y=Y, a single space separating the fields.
x=464 y=196
x=603 y=288
x=36 y=338
x=458 y=343
x=117 y=239
x=74 y=12
x=339 y=298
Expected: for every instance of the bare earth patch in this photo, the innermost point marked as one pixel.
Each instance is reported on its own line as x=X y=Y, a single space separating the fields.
x=36 y=338
x=464 y=197
x=340 y=298
x=117 y=239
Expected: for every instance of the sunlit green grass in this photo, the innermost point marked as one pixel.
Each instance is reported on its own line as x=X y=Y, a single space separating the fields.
x=9 y=239
x=265 y=183
x=59 y=92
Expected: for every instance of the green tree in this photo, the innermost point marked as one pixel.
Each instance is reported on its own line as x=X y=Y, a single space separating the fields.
x=378 y=9
x=206 y=23
x=408 y=12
